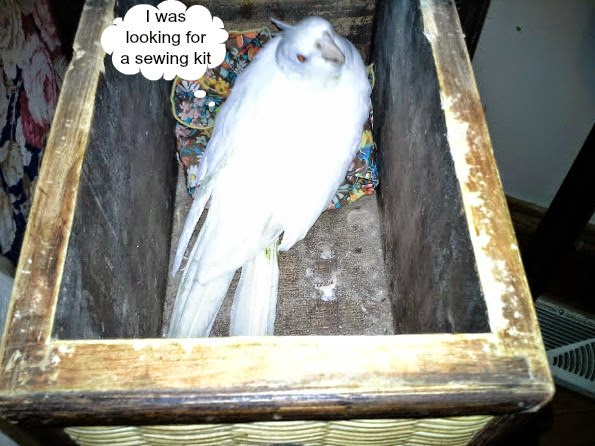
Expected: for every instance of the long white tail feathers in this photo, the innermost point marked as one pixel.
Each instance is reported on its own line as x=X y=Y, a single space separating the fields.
x=254 y=305
x=255 y=300
x=198 y=205
x=196 y=308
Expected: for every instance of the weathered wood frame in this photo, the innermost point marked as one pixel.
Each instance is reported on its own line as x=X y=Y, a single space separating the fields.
x=151 y=381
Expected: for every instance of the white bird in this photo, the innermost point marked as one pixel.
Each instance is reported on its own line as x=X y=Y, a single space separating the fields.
x=281 y=146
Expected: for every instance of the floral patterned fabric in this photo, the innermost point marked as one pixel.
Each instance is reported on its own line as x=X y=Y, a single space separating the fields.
x=31 y=69
x=196 y=118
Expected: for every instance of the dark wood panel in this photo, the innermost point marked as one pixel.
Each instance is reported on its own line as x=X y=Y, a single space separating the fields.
x=572 y=285
x=565 y=219
x=107 y=408
x=116 y=265
x=37 y=279
x=429 y=257
x=351 y=18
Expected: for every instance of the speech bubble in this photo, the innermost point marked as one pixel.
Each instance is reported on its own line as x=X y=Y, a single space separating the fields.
x=166 y=41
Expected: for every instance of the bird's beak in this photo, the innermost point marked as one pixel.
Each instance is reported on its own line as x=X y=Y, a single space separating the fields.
x=330 y=51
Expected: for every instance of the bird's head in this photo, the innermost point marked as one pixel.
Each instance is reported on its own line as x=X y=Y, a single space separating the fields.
x=311 y=49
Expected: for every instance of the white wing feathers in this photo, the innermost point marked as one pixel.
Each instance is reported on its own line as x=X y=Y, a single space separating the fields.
x=280 y=148
x=196 y=307
x=255 y=300
x=201 y=196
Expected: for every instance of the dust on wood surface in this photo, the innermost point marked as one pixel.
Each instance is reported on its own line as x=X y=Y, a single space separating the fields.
x=331 y=283
x=352 y=19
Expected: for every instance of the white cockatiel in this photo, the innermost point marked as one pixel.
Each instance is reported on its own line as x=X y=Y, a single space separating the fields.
x=281 y=146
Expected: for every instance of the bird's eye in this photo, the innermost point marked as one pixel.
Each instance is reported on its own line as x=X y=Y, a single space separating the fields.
x=301 y=58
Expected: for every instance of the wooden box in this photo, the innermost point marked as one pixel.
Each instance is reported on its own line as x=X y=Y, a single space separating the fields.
x=82 y=347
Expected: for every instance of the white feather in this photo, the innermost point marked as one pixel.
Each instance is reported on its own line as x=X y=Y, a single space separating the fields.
x=255 y=300
x=280 y=148
x=198 y=306
x=201 y=196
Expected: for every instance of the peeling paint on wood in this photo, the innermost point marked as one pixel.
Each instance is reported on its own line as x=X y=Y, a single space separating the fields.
x=499 y=369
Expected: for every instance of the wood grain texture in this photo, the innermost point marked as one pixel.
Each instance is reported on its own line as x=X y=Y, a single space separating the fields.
x=350 y=18
x=114 y=277
x=429 y=257
x=39 y=271
x=497 y=258
x=246 y=379
x=164 y=381
x=331 y=283
x=565 y=220
x=525 y=218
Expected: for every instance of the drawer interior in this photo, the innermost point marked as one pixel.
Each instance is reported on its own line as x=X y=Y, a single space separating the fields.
x=394 y=263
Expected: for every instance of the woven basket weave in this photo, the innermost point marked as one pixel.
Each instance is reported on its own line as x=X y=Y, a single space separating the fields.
x=453 y=431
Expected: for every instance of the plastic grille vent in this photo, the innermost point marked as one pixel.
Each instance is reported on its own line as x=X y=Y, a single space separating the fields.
x=574 y=366
x=569 y=339
x=561 y=326
x=580 y=361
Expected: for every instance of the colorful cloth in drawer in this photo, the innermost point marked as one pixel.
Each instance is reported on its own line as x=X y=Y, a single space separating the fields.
x=196 y=117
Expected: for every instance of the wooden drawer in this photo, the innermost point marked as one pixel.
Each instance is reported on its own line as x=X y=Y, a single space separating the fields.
x=82 y=345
